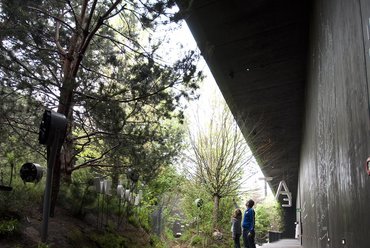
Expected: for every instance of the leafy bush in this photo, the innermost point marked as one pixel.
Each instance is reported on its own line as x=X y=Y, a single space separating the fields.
x=168 y=234
x=204 y=214
x=143 y=218
x=75 y=236
x=109 y=240
x=268 y=217
x=196 y=240
x=133 y=220
x=9 y=227
x=186 y=236
x=23 y=197
x=156 y=242
x=42 y=245
x=262 y=223
x=79 y=196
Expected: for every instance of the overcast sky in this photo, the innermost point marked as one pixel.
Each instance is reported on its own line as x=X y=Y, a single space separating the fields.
x=180 y=39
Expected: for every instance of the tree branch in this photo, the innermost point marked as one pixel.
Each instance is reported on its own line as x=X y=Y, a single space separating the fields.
x=92 y=161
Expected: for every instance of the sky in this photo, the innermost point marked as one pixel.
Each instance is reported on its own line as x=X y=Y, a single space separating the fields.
x=181 y=39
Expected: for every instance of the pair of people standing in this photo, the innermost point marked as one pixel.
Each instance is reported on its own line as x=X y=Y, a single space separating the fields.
x=247 y=225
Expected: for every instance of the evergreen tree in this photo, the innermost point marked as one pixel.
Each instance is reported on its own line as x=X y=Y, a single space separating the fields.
x=95 y=62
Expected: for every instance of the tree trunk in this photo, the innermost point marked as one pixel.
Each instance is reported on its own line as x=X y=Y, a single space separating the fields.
x=65 y=107
x=216 y=206
x=115 y=175
x=71 y=62
x=64 y=161
x=67 y=155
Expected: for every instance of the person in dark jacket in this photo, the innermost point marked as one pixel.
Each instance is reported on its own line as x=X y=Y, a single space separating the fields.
x=236 y=228
x=248 y=225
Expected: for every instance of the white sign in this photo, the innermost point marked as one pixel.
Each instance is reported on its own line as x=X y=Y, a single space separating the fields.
x=283 y=190
x=120 y=190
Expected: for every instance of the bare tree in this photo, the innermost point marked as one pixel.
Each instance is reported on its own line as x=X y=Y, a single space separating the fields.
x=219 y=154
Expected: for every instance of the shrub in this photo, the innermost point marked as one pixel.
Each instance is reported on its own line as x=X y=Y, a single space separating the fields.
x=9 y=227
x=109 y=240
x=143 y=218
x=75 y=236
x=268 y=217
x=42 y=245
x=196 y=240
x=79 y=195
x=23 y=197
x=133 y=220
x=156 y=242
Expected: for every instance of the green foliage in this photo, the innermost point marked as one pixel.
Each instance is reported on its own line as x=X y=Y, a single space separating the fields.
x=262 y=222
x=219 y=155
x=42 y=245
x=276 y=216
x=111 y=82
x=186 y=235
x=18 y=145
x=23 y=198
x=123 y=88
x=196 y=240
x=268 y=217
x=109 y=240
x=156 y=242
x=190 y=193
x=163 y=191
x=133 y=220
x=168 y=181
x=19 y=134
x=204 y=215
x=75 y=236
x=143 y=217
x=168 y=234
x=8 y=227
x=79 y=195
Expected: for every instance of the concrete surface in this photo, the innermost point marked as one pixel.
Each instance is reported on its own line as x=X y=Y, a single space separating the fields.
x=284 y=243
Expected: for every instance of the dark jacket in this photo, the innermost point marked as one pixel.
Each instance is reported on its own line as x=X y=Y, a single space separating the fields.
x=236 y=226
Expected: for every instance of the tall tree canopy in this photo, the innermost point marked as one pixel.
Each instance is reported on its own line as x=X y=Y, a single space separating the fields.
x=219 y=155
x=95 y=62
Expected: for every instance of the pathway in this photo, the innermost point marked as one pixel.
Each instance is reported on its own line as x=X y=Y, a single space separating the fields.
x=284 y=243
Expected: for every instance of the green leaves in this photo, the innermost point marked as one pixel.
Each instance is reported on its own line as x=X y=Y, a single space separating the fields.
x=97 y=63
x=8 y=227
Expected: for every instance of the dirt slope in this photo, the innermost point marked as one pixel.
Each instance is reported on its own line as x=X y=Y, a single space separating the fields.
x=67 y=231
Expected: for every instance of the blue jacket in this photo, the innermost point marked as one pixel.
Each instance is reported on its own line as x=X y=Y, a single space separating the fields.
x=249 y=220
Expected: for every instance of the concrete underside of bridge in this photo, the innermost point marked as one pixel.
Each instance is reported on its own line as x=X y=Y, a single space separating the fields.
x=295 y=75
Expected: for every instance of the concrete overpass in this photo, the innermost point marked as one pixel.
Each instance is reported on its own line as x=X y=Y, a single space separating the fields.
x=296 y=77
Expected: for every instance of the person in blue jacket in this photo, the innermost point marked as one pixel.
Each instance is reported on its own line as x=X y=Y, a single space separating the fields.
x=248 y=225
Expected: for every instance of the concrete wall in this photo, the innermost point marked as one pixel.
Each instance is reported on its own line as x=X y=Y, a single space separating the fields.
x=333 y=186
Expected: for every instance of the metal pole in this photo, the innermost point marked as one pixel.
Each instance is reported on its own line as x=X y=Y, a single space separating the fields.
x=266 y=179
x=102 y=212
x=97 y=224
x=48 y=187
x=265 y=188
x=198 y=217
x=119 y=212
x=107 y=211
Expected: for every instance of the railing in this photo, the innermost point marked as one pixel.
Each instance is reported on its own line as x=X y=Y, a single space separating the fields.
x=274 y=236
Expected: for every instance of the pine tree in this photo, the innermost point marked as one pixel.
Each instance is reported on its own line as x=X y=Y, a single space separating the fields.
x=90 y=61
